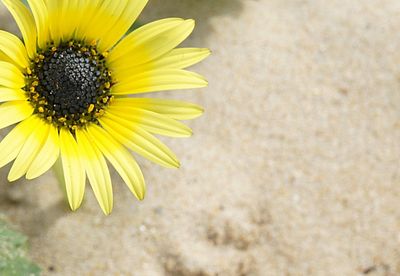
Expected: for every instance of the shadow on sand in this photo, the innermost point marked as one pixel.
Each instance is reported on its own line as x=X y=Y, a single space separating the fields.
x=43 y=219
x=22 y=198
x=200 y=10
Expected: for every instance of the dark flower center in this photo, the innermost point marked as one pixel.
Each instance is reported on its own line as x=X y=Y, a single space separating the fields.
x=69 y=85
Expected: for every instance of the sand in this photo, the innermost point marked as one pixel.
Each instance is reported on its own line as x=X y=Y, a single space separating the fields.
x=293 y=169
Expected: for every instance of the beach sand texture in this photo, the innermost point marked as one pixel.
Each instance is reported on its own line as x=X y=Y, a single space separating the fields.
x=292 y=170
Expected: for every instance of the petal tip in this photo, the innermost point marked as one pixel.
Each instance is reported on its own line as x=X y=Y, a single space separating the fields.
x=177 y=164
x=207 y=53
x=188 y=134
x=30 y=175
x=107 y=212
x=140 y=195
x=74 y=206
x=14 y=175
x=201 y=110
x=106 y=207
x=12 y=178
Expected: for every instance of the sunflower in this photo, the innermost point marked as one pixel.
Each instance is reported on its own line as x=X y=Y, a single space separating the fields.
x=68 y=88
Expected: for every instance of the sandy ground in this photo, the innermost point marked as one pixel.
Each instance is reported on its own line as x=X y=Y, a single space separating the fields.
x=293 y=170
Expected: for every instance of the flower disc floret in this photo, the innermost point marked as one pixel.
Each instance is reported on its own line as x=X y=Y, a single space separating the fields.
x=69 y=85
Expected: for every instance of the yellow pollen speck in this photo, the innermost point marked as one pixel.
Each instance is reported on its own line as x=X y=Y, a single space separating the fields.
x=35 y=83
x=41 y=109
x=93 y=43
x=49 y=118
x=70 y=43
x=62 y=120
x=29 y=71
x=32 y=89
x=107 y=85
x=41 y=57
x=53 y=49
x=74 y=127
x=91 y=108
x=100 y=113
x=105 y=100
x=105 y=54
x=84 y=49
x=94 y=53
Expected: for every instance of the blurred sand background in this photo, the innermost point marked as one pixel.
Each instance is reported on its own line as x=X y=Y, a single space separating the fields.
x=293 y=169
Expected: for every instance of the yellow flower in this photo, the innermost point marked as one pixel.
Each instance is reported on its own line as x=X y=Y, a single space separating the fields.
x=67 y=86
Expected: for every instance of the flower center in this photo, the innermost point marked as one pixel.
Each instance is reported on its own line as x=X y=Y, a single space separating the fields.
x=69 y=85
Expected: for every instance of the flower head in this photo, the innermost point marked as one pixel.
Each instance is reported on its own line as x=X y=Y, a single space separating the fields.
x=67 y=86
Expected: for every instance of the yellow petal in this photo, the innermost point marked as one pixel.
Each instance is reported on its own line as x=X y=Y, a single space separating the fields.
x=89 y=9
x=97 y=171
x=11 y=145
x=158 y=80
x=181 y=58
x=174 y=109
x=13 y=47
x=176 y=59
x=150 y=42
x=25 y=22
x=125 y=45
x=14 y=112
x=6 y=58
x=54 y=20
x=64 y=22
x=106 y=15
x=120 y=158
x=64 y=17
x=74 y=172
x=41 y=17
x=122 y=25
x=11 y=76
x=141 y=142
x=150 y=121
x=47 y=155
x=69 y=17
x=10 y=94
x=29 y=150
